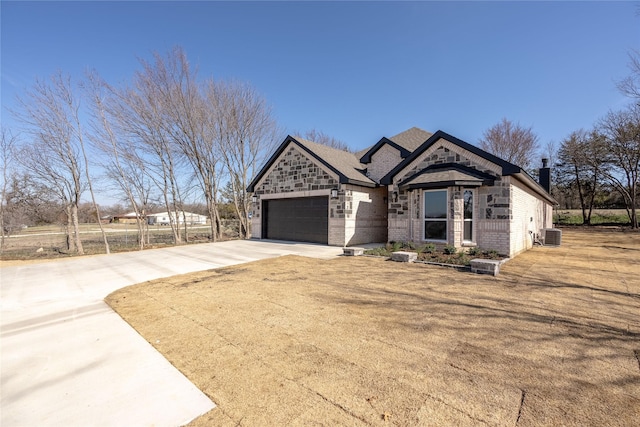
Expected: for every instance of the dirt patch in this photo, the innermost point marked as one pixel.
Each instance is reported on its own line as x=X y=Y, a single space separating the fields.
x=553 y=340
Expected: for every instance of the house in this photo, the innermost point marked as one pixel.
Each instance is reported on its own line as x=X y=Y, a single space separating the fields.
x=415 y=186
x=163 y=218
x=128 y=218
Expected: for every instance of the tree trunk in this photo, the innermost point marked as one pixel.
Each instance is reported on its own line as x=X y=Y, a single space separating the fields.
x=76 y=229
x=71 y=246
x=585 y=220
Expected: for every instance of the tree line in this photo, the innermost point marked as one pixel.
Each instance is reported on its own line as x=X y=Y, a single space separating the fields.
x=167 y=137
x=597 y=167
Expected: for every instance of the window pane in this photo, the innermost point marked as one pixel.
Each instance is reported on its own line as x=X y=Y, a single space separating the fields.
x=468 y=204
x=436 y=230
x=468 y=230
x=435 y=204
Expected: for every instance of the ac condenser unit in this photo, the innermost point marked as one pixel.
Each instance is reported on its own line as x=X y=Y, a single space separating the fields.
x=552 y=237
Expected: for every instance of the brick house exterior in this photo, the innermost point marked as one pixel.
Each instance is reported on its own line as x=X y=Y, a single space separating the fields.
x=415 y=186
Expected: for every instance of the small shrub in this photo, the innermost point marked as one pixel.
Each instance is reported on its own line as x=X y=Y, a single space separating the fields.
x=439 y=258
x=475 y=251
x=396 y=246
x=493 y=254
x=380 y=251
x=449 y=250
x=410 y=245
x=429 y=248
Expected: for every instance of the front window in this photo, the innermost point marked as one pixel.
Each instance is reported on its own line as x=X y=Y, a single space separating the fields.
x=435 y=215
x=468 y=216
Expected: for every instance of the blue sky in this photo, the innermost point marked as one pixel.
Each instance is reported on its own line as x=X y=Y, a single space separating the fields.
x=354 y=70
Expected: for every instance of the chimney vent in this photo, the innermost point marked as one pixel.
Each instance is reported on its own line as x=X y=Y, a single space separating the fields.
x=544 y=175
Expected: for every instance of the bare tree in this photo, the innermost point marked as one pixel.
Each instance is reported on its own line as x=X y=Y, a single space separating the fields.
x=7 y=148
x=73 y=111
x=325 y=139
x=630 y=85
x=191 y=126
x=583 y=156
x=621 y=131
x=141 y=111
x=550 y=151
x=245 y=131
x=511 y=142
x=54 y=155
x=27 y=202
x=120 y=165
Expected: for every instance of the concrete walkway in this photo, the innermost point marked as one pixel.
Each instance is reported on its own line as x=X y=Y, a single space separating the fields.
x=68 y=360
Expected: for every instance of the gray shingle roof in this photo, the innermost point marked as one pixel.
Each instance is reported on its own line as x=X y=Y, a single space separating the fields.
x=411 y=138
x=361 y=153
x=343 y=161
x=448 y=174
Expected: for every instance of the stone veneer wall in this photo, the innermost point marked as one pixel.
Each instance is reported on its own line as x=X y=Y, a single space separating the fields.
x=446 y=152
x=357 y=216
x=493 y=216
x=295 y=172
x=398 y=215
x=492 y=207
x=295 y=175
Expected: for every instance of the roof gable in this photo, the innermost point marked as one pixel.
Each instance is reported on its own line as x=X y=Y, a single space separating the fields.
x=405 y=142
x=446 y=175
x=412 y=138
x=507 y=168
x=366 y=158
x=344 y=164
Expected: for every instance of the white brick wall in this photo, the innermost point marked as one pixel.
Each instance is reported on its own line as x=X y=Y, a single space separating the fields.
x=530 y=215
x=336 y=232
x=382 y=161
x=367 y=222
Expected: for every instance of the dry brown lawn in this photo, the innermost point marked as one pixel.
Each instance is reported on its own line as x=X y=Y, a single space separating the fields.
x=554 y=340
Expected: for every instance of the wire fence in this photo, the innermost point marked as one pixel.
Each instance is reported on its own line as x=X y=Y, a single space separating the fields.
x=50 y=241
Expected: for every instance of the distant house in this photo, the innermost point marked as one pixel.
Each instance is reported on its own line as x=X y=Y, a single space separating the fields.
x=128 y=218
x=414 y=187
x=163 y=218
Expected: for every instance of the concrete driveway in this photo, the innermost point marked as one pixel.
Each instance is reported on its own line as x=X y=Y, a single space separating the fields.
x=68 y=359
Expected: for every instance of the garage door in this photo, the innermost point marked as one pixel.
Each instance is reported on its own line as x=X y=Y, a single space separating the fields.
x=302 y=219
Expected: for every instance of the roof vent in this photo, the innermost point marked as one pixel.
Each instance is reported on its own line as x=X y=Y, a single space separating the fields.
x=552 y=237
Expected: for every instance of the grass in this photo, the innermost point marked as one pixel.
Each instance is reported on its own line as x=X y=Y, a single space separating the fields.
x=598 y=217
x=553 y=340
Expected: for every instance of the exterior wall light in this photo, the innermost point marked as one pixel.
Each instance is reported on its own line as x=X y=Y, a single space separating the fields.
x=334 y=193
x=254 y=199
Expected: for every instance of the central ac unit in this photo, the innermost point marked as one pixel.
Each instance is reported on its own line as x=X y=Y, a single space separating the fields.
x=552 y=237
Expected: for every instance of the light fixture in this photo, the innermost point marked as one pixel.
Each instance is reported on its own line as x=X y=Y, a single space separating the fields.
x=254 y=199
x=334 y=193
x=394 y=197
